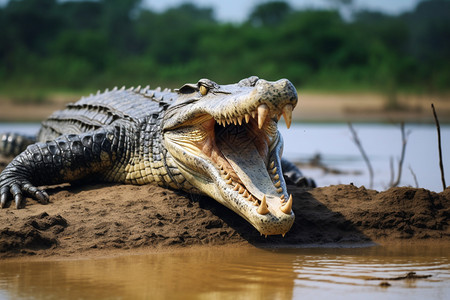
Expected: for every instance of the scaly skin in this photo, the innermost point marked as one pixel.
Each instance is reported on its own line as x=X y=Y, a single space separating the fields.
x=221 y=141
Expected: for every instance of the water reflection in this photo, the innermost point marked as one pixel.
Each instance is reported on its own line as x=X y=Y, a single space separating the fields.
x=244 y=273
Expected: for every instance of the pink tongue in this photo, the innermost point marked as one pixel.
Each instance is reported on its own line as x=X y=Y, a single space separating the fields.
x=241 y=153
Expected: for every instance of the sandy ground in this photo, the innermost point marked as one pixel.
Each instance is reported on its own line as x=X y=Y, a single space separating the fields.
x=100 y=219
x=350 y=107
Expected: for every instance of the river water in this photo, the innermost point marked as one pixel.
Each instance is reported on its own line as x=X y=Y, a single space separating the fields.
x=242 y=273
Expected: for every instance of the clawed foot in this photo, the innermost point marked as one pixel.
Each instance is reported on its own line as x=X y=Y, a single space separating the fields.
x=300 y=181
x=18 y=190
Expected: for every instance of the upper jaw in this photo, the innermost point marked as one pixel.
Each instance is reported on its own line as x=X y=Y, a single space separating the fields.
x=229 y=104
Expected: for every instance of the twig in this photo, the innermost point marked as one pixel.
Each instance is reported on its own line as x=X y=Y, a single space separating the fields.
x=414 y=177
x=441 y=165
x=402 y=156
x=363 y=153
x=391 y=166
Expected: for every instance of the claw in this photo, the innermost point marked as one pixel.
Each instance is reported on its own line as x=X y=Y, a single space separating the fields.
x=3 y=200
x=41 y=197
x=18 y=199
x=4 y=196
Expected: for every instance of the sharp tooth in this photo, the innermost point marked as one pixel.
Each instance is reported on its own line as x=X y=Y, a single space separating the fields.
x=276 y=177
x=278 y=184
x=263 y=111
x=282 y=197
x=250 y=198
x=247 y=118
x=283 y=234
x=255 y=203
x=274 y=170
x=219 y=122
x=234 y=121
x=237 y=186
x=254 y=114
x=229 y=181
x=262 y=209
x=279 y=116
x=228 y=122
x=245 y=194
x=241 y=189
x=287 y=207
x=239 y=119
x=280 y=190
x=272 y=164
x=287 y=114
x=227 y=176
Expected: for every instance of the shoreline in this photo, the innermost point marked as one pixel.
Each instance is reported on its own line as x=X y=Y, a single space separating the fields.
x=312 y=107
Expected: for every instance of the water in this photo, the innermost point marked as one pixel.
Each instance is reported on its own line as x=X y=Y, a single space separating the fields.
x=235 y=273
x=381 y=142
x=334 y=143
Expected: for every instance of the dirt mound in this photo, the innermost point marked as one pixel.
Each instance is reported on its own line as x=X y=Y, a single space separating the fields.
x=99 y=218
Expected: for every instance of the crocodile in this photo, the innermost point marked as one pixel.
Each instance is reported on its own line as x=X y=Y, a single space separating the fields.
x=203 y=138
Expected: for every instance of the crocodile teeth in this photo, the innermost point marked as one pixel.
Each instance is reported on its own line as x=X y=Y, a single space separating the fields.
x=272 y=164
x=227 y=176
x=280 y=190
x=287 y=114
x=237 y=187
x=246 y=194
x=274 y=170
x=262 y=209
x=239 y=119
x=263 y=111
x=229 y=181
x=282 y=197
x=276 y=177
x=287 y=207
x=278 y=184
x=241 y=189
x=247 y=118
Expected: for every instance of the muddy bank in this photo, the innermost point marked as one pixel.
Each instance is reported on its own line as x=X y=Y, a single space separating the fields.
x=95 y=219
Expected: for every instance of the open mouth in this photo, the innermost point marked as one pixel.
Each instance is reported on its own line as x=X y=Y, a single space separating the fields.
x=240 y=148
x=243 y=153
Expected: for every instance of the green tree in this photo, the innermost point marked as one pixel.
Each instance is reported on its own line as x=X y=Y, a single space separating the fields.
x=270 y=13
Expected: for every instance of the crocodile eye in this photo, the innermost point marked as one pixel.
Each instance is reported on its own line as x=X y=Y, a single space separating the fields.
x=203 y=90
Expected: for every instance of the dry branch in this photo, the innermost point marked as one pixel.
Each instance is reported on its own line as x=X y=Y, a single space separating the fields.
x=441 y=164
x=363 y=153
x=402 y=156
x=414 y=177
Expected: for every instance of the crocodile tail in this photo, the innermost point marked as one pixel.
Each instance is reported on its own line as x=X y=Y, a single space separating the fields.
x=12 y=144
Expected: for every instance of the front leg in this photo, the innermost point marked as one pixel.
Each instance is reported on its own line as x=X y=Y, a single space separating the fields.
x=65 y=159
x=293 y=175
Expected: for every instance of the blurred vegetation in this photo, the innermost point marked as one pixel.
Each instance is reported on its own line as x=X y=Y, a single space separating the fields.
x=82 y=45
